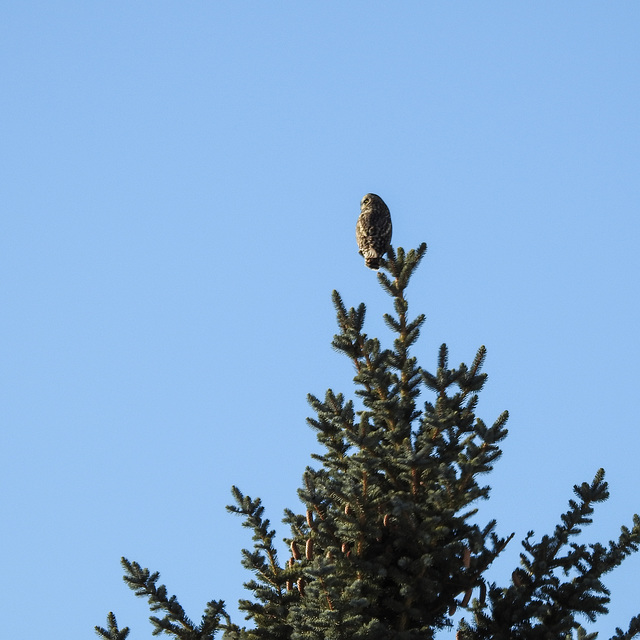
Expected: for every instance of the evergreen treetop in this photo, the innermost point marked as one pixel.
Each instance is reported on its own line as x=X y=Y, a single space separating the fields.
x=387 y=545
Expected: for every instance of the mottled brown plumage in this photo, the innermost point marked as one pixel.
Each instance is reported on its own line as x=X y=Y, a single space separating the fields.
x=373 y=230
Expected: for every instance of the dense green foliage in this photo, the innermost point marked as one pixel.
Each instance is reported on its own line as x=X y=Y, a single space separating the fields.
x=387 y=545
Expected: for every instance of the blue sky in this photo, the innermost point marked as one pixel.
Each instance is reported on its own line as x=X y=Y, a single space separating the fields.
x=179 y=186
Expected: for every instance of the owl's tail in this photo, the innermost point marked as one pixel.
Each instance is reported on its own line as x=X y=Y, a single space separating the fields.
x=372 y=259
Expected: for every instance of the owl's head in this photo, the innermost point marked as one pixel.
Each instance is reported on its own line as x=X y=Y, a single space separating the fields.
x=369 y=200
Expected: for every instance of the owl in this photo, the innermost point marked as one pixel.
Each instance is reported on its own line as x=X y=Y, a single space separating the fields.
x=373 y=230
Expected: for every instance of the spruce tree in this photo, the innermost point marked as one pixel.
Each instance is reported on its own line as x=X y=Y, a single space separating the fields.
x=389 y=544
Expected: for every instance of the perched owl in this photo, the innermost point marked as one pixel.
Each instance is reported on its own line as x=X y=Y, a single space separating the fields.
x=373 y=230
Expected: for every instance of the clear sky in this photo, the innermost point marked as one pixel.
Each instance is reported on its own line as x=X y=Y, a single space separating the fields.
x=179 y=185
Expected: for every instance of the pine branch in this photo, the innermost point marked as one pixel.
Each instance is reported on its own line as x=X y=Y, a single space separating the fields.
x=633 y=632
x=273 y=588
x=175 y=621
x=540 y=601
x=112 y=632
